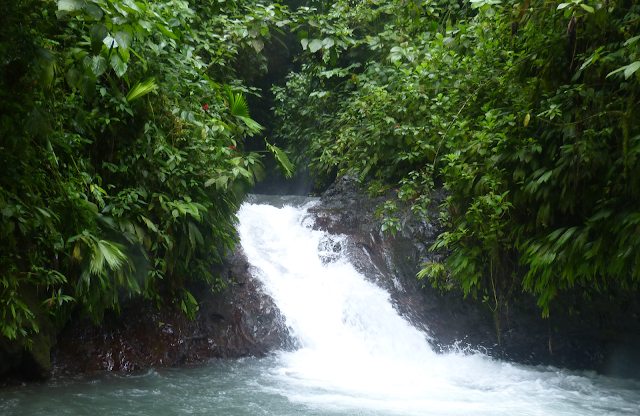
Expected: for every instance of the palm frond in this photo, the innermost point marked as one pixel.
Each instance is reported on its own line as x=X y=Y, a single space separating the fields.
x=240 y=109
x=141 y=89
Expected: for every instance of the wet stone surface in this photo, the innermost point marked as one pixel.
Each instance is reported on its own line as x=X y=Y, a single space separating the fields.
x=237 y=322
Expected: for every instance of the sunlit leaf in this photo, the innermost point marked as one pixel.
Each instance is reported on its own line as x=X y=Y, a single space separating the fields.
x=118 y=65
x=123 y=38
x=141 y=88
x=315 y=45
x=94 y=11
x=70 y=5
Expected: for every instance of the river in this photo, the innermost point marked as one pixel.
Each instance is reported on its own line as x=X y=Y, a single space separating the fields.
x=355 y=355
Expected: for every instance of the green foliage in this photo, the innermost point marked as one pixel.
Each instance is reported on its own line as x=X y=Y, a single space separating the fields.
x=283 y=161
x=526 y=112
x=117 y=119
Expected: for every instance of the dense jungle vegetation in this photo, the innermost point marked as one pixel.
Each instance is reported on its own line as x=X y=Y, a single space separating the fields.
x=126 y=138
x=526 y=111
x=122 y=143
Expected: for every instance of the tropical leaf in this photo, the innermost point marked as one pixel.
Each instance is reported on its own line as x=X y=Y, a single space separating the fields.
x=237 y=103
x=118 y=65
x=70 y=5
x=253 y=126
x=285 y=164
x=141 y=89
x=124 y=39
x=240 y=110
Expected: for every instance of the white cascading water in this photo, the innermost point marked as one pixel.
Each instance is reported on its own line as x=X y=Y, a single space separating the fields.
x=358 y=356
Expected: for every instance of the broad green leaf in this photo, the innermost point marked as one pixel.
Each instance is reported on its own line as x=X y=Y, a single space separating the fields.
x=563 y=5
x=628 y=69
x=73 y=77
x=118 y=65
x=221 y=182
x=166 y=31
x=315 y=45
x=124 y=39
x=46 y=55
x=88 y=87
x=285 y=164
x=70 y=5
x=253 y=125
x=196 y=233
x=47 y=74
x=110 y=42
x=631 y=69
x=124 y=53
x=632 y=40
x=94 y=11
x=98 y=33
x=98 y=65
x=148 y=26
x=304 y=42
x=132 y=5
x=328 y=43
x=622 y=68
x=589 y=9
x=257 y=44
x=149 y=223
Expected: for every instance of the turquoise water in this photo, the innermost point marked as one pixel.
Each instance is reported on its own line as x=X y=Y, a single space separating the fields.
x=357 y=356
x=268 y=387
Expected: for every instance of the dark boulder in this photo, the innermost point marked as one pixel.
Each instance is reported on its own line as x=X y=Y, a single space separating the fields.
x=240 y=321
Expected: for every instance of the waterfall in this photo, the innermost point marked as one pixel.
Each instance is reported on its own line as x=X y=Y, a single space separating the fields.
x=355 y=355
x=355 y=350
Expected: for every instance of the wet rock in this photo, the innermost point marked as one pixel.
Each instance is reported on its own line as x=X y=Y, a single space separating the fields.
x=603 y=337
x=240 y=321
x=329 y=249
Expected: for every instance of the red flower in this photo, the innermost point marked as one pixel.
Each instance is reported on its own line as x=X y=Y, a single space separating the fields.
x=420 y=169
x=396 y=126
x=232 y=147
x=206 y=107
x=411 y=202
x=396 y=190
x=409 y=120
